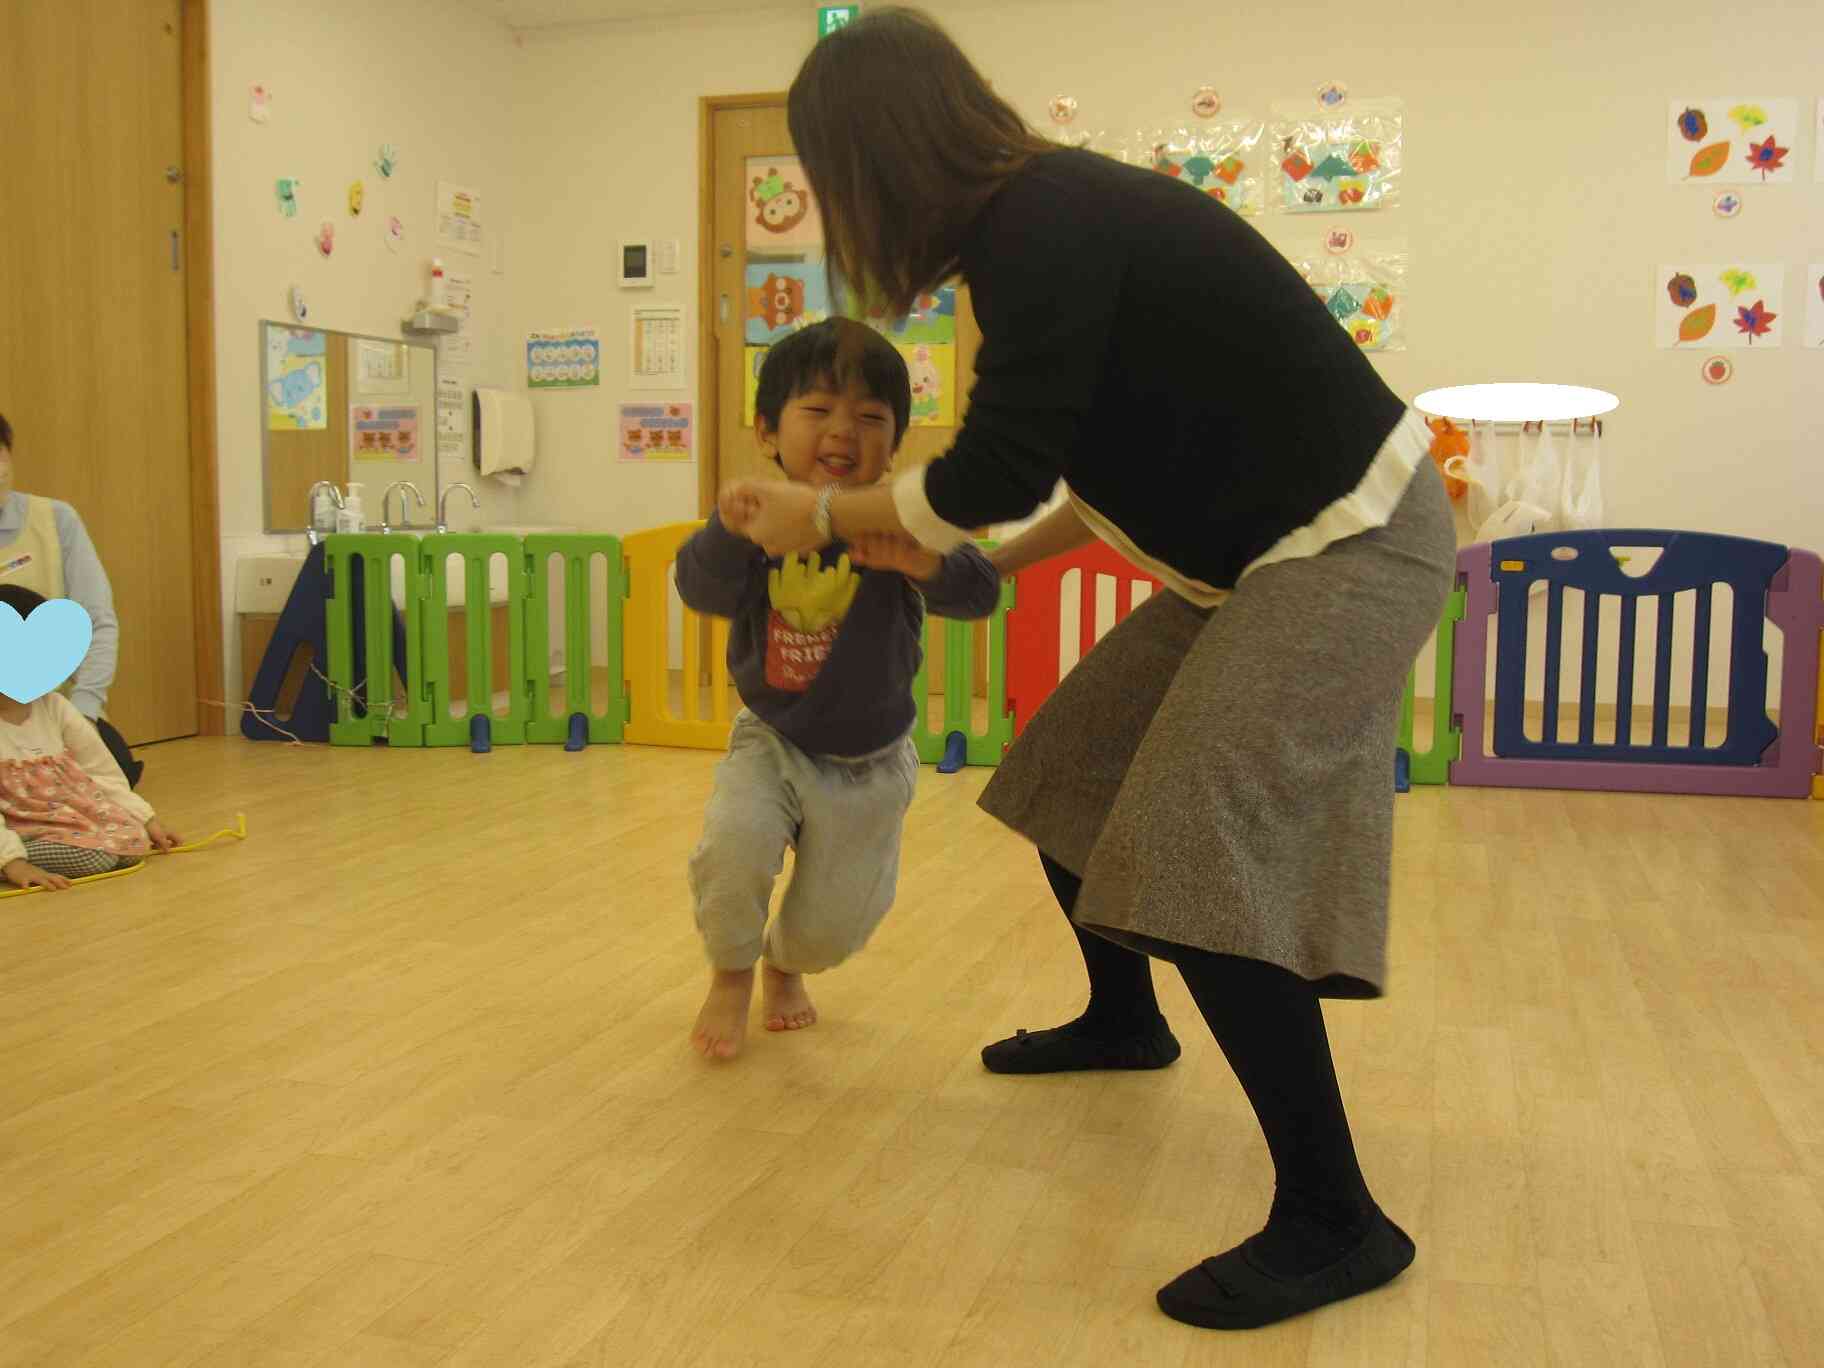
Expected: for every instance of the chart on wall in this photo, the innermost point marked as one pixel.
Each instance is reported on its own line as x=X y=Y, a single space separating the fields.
x=296 y=380
x=1720 y=306
x=567 y=359
x=655 y=432
x=1731 y=141
x=782 y=217
x=784 y=296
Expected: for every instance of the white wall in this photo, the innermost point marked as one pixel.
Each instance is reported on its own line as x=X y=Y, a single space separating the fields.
x=1535 y=211
x=346 y=76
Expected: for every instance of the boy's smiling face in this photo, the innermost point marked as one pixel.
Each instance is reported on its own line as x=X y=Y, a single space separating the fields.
x=827 y=436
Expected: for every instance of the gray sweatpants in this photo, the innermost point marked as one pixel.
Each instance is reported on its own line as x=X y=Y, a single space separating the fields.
x=842 y=816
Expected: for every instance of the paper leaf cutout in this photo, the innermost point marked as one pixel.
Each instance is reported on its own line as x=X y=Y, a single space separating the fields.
x=1341 y=303
x=1738 y=282
x=1682 y=290
x=1710 y=160
x=1765 y=157
x=1366 y=332
x=1230 y=169
x=1748 y=116
x=1692 y=125
x=1297 y=166
x=1199 y=169
x=1756 y=322
x=1365 y=157
x=1379 y=304
x=1697 y=323
x=1333 y=167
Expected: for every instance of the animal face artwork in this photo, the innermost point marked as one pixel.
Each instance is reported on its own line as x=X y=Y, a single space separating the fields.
x=927 y=384
x=294 y=387
x=781 y=300
x=780 y=206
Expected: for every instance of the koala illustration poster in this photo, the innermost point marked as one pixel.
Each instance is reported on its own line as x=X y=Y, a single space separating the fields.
x=297 y=372
x=782 y=217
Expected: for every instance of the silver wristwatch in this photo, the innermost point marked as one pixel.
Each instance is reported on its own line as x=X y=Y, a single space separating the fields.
x=820 y=517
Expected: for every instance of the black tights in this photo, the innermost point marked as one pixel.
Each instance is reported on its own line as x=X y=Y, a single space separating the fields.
x=1270 y=1027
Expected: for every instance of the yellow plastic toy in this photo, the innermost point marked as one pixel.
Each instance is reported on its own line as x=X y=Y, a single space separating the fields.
x=238 y=831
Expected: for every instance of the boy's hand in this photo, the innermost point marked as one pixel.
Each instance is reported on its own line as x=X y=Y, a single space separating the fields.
x=895 y=551
x=25 y=874
x=165 y=840
x=737 y=509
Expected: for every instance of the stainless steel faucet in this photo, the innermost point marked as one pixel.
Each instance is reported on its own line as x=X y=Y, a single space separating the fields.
x=310 y=504
x=443 y=500
x=386 y=499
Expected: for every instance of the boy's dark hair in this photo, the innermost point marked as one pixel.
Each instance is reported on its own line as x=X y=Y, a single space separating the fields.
x=6 y=433
x=903 y=141
x=836 y=353
x=20 y=599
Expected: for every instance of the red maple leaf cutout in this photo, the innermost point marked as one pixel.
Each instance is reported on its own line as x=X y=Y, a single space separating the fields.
x=1765 y=157
x=1756 y=322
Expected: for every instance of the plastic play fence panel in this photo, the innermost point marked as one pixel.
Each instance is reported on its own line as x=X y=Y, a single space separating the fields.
x=476 y=551
x=1432 y=766
x=361 y=563
x=580 y=554
x=1752 y=756
x=1035 y=626
x=652 y=720
x=984 y=747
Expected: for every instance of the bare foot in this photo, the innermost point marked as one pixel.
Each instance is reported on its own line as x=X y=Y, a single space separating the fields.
x=722 y=1024
x=783 y=1002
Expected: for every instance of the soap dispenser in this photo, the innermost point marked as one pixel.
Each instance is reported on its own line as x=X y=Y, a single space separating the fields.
x=352 y=517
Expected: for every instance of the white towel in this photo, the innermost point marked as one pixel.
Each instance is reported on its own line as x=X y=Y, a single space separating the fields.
x=505 y=440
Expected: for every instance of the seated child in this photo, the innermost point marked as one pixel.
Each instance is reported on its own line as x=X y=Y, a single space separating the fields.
x=65 y=809
x=821 y=757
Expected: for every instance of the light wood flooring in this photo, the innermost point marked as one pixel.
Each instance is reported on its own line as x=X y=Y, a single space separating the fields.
x=403 y=1081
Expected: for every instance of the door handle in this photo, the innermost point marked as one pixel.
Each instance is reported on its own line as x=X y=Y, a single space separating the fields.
x=722 y=308
x=174 y=265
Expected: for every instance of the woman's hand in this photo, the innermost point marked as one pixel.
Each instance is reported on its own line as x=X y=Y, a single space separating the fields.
x=894 y=551
x=166 y=841
x=777 y=515
x=25 y=874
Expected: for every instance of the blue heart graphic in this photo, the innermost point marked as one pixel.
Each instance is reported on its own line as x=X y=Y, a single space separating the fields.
x=39 y=653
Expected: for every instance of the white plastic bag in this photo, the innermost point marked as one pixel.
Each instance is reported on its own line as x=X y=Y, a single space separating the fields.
x=1509 y=495
x=1581 y=497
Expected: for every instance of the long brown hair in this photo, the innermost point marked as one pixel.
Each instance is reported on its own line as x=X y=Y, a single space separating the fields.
x=903 y=142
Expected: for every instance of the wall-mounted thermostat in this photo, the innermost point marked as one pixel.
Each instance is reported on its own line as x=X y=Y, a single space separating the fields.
x=636 y=265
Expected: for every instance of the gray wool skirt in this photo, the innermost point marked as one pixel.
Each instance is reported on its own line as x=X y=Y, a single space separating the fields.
x=1223 y=778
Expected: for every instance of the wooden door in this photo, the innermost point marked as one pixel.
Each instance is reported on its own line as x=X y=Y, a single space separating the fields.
x=735 y=129
x=93 y=355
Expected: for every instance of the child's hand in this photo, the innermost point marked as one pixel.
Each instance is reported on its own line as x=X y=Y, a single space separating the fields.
x=811 y=599
x=160 y=837
x=25 y=874
x=893 y=551
x=737 y=509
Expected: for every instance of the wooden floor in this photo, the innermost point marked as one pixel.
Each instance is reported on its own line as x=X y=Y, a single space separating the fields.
x=403 y=1080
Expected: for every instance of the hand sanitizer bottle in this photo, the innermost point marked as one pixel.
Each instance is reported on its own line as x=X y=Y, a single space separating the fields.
x=352 y=517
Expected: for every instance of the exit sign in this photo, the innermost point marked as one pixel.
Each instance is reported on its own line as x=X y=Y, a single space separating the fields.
x=832 y=17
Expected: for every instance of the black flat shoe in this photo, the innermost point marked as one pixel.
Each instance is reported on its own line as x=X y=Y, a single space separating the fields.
x=1069 y=1049
x=1233 y=1291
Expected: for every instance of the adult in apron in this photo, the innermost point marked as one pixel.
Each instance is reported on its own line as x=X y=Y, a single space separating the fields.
x=44 y=547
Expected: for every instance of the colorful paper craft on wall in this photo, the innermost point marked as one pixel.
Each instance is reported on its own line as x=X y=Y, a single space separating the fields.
x=296 y=380
x=782 y=217
x=1814 y=305
x=655 y=432
x=1726 y=306
x=1339 y=163
x=750 y=382
x=784 y=296
x=1224 y=161
x=932 y=320
x=933 y=372
x=1731 y=141
x=383 y=433
x=1365 y=295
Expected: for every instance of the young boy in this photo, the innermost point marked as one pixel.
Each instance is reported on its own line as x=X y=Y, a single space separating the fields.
x=823 y=654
